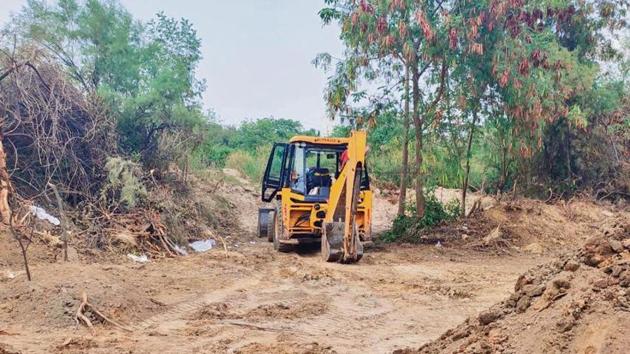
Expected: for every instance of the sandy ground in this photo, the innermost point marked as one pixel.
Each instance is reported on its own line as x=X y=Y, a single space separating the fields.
x=252 y=299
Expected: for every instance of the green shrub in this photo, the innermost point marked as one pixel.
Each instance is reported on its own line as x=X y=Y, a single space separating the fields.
x=434 y=214
x=251 y=165
x=123 y=186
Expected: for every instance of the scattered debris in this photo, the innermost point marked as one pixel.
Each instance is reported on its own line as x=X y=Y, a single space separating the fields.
x=140 y=259
x=42 y=214
x=180 y=250
x=493 y=236
x=81 y=317
x=203 y=245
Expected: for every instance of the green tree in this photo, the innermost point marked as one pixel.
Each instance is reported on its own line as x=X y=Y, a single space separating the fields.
x=145 y=72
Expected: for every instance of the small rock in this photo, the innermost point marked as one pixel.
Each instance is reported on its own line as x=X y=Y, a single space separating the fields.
x=521 y=282
x=616 y=246
x=616 y=271
x=596 y=250
x=523 y=304
x=564 y=325
x=489 y=316
x=562 y=283
x=601 y=283
x=496 y=336
x=465 y=237
x=459 y=334
x=593 y=260
x=537 y=291
x=571 y=266
x=534 y=248
x=626 y=243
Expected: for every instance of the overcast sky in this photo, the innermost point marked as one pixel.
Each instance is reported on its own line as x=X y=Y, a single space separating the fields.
x=257 y=54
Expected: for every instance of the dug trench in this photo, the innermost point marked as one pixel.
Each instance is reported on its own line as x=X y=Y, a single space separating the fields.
x=247 y=298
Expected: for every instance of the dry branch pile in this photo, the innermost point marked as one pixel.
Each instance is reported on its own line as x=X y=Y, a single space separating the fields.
x=54 y=134
x=52 y=131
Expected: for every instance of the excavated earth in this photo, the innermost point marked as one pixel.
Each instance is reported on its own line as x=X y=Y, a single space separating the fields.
x=249 y=299
x=579 y=303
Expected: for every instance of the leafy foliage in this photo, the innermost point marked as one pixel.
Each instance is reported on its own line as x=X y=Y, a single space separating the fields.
x=123 y=185
x=145 y=72
x=435 y=214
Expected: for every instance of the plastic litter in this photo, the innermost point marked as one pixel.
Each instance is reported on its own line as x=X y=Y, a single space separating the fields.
x=140 y=259
x=181 y=251
x=438 y=244
x=203 y=245
x=41 y=214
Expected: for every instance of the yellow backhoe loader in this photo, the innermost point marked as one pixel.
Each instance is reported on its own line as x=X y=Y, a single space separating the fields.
x=320 y=192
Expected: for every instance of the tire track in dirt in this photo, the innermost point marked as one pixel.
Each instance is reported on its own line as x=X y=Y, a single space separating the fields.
x=185 y=308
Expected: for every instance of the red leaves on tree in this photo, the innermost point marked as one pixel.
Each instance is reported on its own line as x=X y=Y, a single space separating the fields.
x=505 y=77
x=476 y=48
x=538 y=57
x=366 y=6
x=402 y=29
x=523 y=67
x=388 y=41
x=565 y=15
x=424 y=25
x=452 y=38
x=381 y=25
x=397 y=5
x=473 y=25
x=354 y=18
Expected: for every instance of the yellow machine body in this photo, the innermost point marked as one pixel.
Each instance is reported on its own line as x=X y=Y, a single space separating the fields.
x=320 y=187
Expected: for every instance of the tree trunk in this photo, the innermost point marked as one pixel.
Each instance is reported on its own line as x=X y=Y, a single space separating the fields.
x=417 y=122
x=568 y=152
x=5 y=185
x=468 y=155
x=402 y=197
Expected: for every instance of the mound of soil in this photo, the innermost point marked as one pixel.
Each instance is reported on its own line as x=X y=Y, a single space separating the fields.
x=580 y=304
x=521 y=225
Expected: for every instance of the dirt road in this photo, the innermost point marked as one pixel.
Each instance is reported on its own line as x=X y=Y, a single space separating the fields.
x=257 y=300
x=253 y=299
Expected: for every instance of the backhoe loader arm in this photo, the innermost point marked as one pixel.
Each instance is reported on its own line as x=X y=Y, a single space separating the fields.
x=340 y=239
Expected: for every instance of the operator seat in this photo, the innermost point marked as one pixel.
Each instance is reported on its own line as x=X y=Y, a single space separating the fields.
x=318 y=178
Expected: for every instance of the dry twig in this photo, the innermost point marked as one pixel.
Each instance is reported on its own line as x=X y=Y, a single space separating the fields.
x=86 y=305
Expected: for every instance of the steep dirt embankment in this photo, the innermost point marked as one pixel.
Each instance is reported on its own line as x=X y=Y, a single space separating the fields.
x=579 y=303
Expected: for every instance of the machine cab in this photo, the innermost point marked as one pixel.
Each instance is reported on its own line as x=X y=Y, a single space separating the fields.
x=308 y=166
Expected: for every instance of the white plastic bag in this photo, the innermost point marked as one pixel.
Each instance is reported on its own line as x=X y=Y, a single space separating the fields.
x=204 y=245
x=41 y=214
x=140 y=259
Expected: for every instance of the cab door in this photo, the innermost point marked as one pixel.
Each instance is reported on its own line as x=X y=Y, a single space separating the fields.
x=274 y=172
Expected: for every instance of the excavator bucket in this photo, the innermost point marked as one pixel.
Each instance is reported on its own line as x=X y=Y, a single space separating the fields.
x=332 y=244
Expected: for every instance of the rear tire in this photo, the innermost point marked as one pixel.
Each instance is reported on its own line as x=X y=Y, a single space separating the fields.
x=271 y=229
x=264 y=215
x=278 y=232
